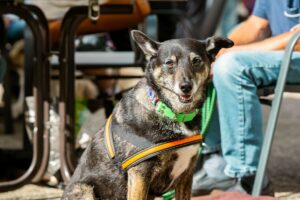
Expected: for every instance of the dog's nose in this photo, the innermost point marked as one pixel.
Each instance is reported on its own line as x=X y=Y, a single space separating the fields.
x=186 y=86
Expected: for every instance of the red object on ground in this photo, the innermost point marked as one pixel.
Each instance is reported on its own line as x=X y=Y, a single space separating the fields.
x=232 y=196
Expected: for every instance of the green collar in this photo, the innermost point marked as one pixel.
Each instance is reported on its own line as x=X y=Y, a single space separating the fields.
x=164 y=110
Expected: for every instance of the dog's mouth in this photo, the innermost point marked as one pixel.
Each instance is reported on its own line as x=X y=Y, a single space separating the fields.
x=186 y=98
x=183 y=98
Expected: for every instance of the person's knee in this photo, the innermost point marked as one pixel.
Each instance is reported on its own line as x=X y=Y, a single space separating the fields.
x=227 y=67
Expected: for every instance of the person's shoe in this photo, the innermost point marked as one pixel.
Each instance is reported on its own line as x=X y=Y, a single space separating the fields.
x=211 y=177
x=245 y=185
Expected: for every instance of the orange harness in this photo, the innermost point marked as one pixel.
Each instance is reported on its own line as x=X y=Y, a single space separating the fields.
x=147 y=152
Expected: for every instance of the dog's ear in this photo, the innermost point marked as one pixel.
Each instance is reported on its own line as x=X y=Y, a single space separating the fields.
x=148 y=46
x=215 y=44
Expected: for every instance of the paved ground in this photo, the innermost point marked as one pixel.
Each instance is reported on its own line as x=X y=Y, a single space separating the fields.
x=284 y=162
x=283 y=166
x=32 y=192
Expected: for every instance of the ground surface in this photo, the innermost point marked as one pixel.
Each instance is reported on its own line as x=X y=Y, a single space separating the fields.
x=283 y=168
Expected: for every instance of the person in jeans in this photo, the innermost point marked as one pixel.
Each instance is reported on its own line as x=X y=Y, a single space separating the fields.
x=253 y=62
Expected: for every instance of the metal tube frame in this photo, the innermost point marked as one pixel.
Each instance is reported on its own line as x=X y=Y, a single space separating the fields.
x=71 y=22
x=39 y=89
x=46 y=87
x=273 y=118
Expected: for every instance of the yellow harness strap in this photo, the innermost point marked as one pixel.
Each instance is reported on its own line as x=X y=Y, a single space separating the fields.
x=148 y=152
x=108 y=138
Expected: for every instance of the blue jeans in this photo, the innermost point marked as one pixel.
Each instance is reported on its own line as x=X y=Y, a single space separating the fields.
x=236 y=76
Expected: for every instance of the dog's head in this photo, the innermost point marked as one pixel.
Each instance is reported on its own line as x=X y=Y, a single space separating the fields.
x=179 y=69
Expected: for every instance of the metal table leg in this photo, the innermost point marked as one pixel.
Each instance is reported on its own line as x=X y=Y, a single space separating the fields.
x=272 y=122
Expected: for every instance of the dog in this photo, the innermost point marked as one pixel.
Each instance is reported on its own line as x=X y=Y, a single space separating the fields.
x=176 y=74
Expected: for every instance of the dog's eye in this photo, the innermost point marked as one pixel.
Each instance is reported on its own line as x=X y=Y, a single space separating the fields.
x=196 y=61
x=170 y=63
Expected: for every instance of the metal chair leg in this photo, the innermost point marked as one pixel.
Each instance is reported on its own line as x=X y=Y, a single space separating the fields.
x=67 y=97
x=9 y=7
x=8 y=119
x=69 y=26
x=272 y=122
x=39 y=15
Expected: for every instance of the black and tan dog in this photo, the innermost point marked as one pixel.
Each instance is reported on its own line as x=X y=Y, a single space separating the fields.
x=160 y=111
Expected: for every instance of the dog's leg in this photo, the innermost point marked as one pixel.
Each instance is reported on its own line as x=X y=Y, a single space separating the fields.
x=137 y=186
x=183 y=188
x=80 y=191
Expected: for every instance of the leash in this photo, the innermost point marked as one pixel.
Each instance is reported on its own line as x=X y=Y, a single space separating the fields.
x=206 y=111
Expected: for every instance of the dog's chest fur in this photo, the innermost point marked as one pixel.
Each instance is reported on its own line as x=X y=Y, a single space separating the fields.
x=184 y=156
